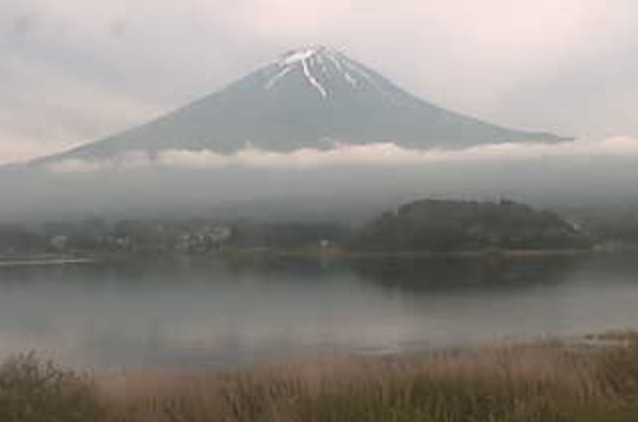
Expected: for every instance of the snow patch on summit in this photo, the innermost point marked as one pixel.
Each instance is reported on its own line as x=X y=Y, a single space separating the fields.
x=272 y=81
x=303 y=60
x=312 y=80
x=313 y=63
x=316 y=64
x=298 y=56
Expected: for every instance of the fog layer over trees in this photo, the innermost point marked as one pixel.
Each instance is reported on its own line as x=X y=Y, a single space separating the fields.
x=345 y=183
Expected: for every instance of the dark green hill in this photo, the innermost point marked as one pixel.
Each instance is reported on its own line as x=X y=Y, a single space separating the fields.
x=453 y=226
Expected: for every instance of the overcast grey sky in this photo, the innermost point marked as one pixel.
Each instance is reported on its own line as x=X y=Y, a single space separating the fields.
x=73 y=71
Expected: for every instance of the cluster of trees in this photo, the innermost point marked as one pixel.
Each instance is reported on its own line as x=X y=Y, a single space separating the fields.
x=289 y=235
x=616 y=223
x=448 y=226
x=15 y=239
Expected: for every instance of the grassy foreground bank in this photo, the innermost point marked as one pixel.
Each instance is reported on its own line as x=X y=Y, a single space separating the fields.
x=533 y=383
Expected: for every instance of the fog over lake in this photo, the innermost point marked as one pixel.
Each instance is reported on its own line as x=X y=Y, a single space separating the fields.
x=213 y=313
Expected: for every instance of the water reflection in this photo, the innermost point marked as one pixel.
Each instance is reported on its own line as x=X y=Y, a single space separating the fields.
x=211 y=312
x=414 y=274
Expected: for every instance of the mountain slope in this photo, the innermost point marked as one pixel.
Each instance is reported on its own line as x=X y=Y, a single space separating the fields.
x=312 y=97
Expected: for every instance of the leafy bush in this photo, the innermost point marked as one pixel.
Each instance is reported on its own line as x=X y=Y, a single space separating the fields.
x=32 y=390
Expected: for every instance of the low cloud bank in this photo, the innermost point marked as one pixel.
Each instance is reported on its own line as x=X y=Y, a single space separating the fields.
x=378 y=154
x=349 y=182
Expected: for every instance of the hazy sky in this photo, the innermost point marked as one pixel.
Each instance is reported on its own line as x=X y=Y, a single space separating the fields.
x=73 y=71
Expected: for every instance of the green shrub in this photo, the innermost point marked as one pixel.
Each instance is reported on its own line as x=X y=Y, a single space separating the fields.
x=32 y=390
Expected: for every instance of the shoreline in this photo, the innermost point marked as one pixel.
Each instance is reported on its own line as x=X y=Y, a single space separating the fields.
x=337 y=253
x=44 y=260
x=319 y=254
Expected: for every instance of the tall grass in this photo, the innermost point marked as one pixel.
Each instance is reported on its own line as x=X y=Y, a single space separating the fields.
x=548 y=382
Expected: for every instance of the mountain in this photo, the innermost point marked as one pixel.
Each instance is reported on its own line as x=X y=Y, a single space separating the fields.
x=313 y=97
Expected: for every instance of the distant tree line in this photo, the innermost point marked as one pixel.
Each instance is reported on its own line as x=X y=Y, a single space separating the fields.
x=427 y=225
x=156 y=236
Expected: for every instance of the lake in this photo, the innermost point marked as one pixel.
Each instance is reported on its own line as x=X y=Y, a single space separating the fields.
x=220 y=313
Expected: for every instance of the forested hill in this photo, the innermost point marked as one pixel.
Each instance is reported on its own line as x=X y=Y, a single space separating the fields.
x=452 y=226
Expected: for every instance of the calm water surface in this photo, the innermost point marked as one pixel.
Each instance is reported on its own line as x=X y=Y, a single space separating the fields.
x=206 y=312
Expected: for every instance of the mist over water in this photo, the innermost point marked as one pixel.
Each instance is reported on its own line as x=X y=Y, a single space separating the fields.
x=215 y=313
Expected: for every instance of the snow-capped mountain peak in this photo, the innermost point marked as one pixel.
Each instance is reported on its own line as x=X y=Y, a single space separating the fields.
x=321 y=67
x=299 y=100
x=300 y=55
